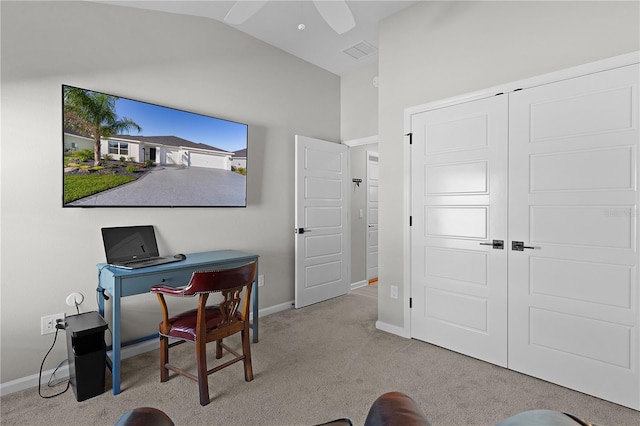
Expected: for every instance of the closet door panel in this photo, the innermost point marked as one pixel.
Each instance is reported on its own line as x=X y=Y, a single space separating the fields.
x=573 y=197
x=458 y=283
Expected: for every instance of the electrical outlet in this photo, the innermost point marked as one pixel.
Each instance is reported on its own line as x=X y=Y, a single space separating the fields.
x=394 y=291
x=260 y=280
x=48 y=323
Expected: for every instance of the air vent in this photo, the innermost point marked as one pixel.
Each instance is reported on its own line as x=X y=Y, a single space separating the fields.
x=361 y=50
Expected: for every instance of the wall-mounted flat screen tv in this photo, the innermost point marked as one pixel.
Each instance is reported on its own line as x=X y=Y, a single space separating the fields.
x=118 y=152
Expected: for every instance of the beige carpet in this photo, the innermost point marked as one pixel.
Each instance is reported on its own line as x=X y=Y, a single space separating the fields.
x=314 y=365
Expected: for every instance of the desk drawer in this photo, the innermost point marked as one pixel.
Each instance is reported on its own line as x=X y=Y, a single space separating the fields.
x=142 y=283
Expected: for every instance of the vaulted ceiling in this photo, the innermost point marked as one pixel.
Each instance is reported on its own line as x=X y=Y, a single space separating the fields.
x=278 y=23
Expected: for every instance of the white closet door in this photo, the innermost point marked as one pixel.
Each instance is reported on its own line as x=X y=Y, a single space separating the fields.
x=573 y=197
x=458 y=167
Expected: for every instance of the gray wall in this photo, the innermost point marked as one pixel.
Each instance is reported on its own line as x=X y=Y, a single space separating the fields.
x=435 y=50
x=359 y=103
x=184 y=62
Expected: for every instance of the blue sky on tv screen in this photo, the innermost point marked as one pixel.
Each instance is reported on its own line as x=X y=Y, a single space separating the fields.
x=157 y=120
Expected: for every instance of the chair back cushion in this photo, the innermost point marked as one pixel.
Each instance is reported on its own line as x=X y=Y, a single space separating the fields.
x=215 y=281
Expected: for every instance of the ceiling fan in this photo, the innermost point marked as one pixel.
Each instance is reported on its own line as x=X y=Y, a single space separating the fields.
x=335 y=12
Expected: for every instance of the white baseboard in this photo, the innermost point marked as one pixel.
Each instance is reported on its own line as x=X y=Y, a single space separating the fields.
x=273 y=309
x=138 y=348
x=359 y=284
x=28 y=382
x=393 y=329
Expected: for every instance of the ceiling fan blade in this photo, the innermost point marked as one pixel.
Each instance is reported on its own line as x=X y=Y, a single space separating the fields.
x=243 y=10
x=337 y=14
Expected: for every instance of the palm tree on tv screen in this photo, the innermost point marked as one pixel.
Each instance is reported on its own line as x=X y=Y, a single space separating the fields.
x=94 y=114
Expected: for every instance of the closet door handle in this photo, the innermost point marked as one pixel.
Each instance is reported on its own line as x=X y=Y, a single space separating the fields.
x=519 y=246
x=496 y=244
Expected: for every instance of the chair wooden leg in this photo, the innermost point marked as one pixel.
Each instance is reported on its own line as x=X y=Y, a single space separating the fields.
x=201 y=360
x=246 y=351
x=218 y=349
x=164 y=358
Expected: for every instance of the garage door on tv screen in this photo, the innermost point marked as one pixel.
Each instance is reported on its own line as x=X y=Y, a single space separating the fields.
x=118 y=152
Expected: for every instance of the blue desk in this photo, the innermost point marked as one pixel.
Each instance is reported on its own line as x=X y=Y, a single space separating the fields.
x=120 y=283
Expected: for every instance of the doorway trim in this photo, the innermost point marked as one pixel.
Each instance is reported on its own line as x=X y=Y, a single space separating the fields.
x=361 y=141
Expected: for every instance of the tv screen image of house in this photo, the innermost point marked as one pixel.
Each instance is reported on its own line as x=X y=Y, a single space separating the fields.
x=119 y=152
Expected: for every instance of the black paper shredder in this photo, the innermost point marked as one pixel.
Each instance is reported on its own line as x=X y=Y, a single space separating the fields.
x=87 y=354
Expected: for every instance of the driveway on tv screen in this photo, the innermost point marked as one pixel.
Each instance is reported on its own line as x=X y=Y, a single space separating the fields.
x=168 y=186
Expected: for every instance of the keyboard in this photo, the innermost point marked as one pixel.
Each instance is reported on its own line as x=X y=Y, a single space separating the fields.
x=142 y=263
x=136 y=262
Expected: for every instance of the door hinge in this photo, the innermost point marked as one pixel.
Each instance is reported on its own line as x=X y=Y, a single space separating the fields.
x=410 y=220
x=410 y=302
x=410 y=138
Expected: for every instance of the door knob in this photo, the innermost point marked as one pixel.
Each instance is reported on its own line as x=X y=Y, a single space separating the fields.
x=519 y=246
x=496 y=244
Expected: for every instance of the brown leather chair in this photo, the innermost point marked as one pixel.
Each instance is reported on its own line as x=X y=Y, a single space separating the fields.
x=208 y=323
x=144 y=416
x=395 y=408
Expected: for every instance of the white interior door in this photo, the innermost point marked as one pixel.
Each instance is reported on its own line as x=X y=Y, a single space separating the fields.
x=372 y=217
x=458 y=196
x=322 y=243
x=573 y=200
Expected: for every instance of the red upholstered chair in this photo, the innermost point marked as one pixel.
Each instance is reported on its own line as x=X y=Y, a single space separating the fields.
x=209 y=323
